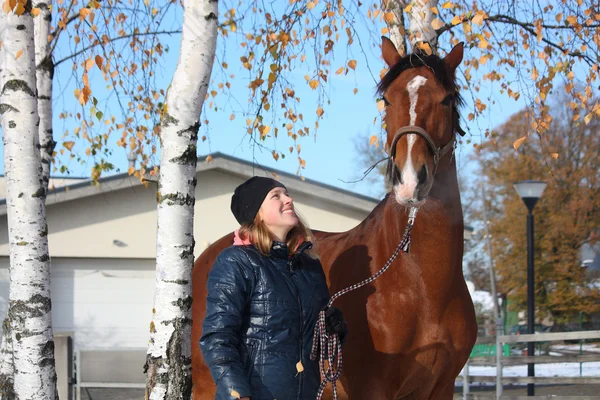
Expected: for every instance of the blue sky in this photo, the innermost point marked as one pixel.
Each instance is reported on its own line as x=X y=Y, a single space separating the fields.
x=330 y=155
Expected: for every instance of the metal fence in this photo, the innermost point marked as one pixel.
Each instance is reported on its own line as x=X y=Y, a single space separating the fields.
x=101 y=368
x=502 y=357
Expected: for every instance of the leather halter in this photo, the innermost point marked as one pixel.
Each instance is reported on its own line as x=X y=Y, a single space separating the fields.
x=438 y=152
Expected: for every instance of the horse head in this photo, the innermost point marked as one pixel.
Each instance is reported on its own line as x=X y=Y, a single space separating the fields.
x=421 y=118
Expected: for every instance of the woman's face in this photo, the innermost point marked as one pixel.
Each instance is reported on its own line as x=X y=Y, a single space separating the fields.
x=277 y=212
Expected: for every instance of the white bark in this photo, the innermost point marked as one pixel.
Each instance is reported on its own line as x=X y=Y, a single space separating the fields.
x=396 y=26
x=420 y=18
x=30 y=307
x=44 y=73
x=169 y=351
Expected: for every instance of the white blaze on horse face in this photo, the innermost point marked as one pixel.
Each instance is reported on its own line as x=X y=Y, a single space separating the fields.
x=406 y=190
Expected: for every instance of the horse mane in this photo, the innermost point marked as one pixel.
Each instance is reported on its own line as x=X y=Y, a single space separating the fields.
x=441 y=73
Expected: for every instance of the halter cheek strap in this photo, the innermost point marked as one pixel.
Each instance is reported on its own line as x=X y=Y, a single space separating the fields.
x=438 y=152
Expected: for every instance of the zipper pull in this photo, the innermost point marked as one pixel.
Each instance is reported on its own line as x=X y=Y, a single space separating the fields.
x=291 y=266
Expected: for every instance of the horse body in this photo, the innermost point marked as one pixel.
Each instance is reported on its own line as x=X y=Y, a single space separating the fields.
x=411 y=330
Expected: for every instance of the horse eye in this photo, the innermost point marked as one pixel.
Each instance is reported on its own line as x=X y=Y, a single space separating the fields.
x=447 y=100
x=385 y=101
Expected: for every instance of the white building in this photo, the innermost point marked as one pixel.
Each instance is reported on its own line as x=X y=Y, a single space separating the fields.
x=103 y=244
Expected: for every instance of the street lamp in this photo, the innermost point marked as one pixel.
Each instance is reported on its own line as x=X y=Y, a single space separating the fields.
x=530 y=192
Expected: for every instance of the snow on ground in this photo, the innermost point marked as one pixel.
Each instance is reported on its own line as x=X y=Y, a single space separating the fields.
x=590 y=369
x=558 y=369
x=575 y=347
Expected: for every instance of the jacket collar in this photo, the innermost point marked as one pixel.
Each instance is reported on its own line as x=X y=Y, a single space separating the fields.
x=280 y=250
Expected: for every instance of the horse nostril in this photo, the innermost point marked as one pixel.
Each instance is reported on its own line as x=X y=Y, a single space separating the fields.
x=422 y=177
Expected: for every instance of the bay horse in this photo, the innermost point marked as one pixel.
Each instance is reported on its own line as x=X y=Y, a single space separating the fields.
x=412 y=330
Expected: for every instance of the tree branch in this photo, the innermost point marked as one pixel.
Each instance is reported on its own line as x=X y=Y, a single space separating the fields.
x=113 y=40
x=529 y=27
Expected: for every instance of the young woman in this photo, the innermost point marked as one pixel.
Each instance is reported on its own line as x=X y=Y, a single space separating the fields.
x=264 y=296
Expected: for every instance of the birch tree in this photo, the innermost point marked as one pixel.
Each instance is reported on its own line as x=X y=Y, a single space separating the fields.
x=44 y=72
x=168 y=360
x=30 y=319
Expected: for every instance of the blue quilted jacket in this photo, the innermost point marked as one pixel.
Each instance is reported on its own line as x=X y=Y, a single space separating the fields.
x=260 y=316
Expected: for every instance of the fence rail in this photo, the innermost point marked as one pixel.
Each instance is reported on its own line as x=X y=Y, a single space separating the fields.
x=499 y=360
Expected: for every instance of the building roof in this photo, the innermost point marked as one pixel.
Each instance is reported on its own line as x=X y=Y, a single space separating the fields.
x=222 y=162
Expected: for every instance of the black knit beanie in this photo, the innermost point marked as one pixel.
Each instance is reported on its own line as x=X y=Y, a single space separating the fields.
x=249 y=196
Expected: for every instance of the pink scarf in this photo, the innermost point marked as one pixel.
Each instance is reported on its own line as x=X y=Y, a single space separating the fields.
x=238 y=241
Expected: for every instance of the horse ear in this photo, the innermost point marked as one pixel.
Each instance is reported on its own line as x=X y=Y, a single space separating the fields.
x=389 y=52
x=454 y=58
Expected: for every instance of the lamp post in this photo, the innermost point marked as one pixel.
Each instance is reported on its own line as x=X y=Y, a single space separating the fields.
x=530 y=192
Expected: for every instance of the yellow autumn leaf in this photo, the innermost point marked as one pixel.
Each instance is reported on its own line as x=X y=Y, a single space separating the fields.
x=310 y=5
x=388 y=17
x=320 y=111
x=534 y=74
x=314 y=84
x=7 y=7
x=19 y=54
x=478 y=18
x=372 y=140
x=558 y=17
x=235 y=394
x=131 y=170
x=352 y=64
x=231 y=117
x=68 y=145
x=84 y=12
x=408 y=8
x=380 y=105
x=587 y=118
x=99 y=60
x=519 y=142
x=437 y=24
x=483 y=44
x=208 y=159
x=425 y=47
x=456 y=20
x=299 y=366
x=89 y=63
x=35 y=11
x=20 y=8
x=554 y=155
x=340 y=70
x=447 y=5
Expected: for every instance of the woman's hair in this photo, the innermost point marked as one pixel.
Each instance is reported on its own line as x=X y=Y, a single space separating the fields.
x=259 y=235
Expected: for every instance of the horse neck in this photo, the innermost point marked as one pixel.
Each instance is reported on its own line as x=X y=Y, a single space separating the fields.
x=444 y=192
x=445 y=186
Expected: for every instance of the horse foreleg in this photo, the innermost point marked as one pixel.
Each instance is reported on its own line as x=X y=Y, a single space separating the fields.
x=341 y=393
x=442 y=391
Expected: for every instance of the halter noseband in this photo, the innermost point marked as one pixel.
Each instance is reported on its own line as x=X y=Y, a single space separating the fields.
x=438 y=152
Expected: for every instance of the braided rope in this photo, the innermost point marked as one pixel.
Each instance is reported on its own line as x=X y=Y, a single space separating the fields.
x=329 y=347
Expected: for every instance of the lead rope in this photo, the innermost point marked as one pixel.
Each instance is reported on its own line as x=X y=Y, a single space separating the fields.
x=329 y=347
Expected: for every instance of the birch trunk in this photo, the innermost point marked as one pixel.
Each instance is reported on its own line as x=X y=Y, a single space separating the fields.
x=44 y=73
x=7 y=369
x=30 y=306
x=396 y=26
x=168 y=361
x=420 y=19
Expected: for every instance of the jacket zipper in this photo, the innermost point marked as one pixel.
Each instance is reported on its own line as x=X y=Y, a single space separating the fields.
x=292 y=272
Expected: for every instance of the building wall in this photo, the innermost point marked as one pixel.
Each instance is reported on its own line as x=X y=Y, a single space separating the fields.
x=88 y=227
x=103 y=302
x=103 y=292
